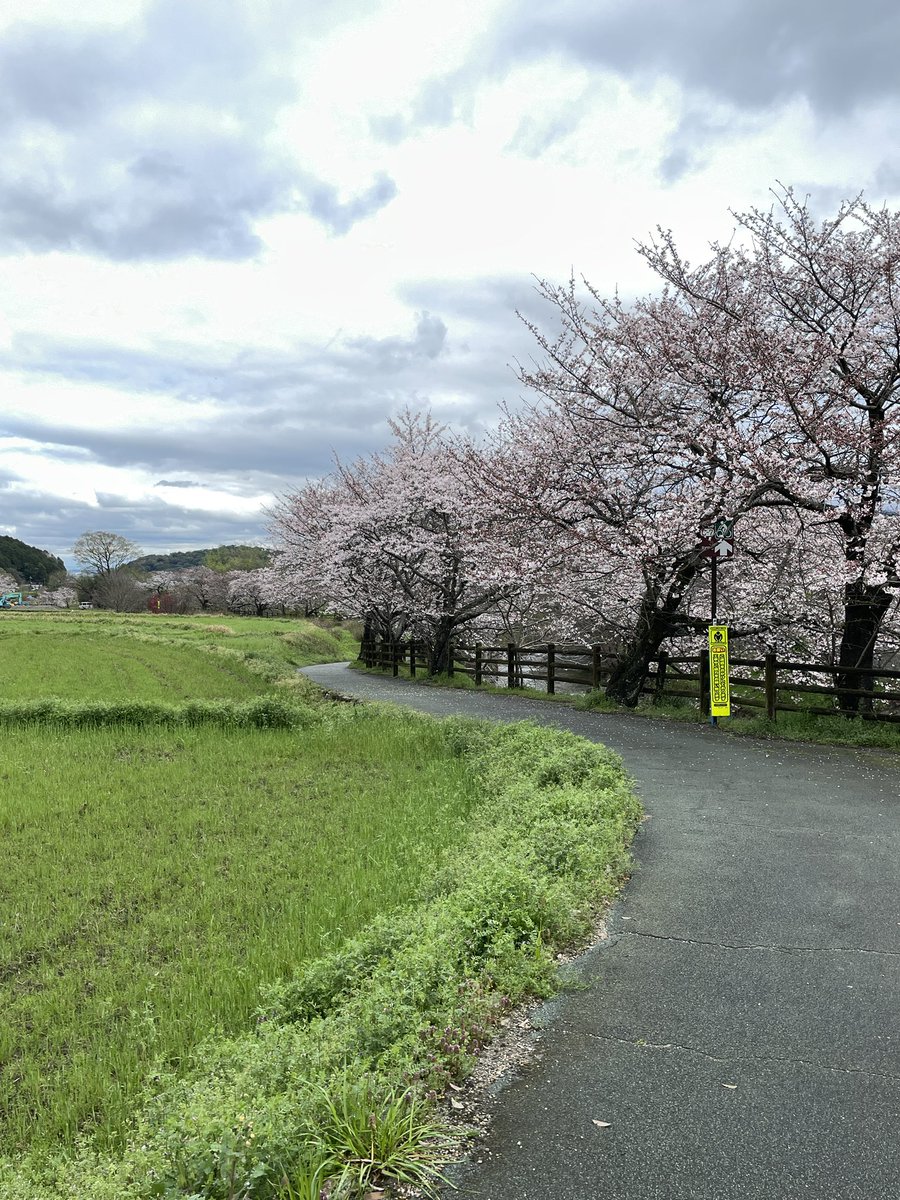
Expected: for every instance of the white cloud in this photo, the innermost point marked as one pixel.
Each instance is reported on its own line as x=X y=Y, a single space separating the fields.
x=271 y=236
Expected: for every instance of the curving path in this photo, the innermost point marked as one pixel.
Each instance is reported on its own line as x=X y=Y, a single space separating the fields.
x=741 y=1030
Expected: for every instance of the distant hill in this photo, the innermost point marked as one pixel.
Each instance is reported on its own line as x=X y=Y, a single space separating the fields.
x=220 y=558
x=27 y=563
x=175 y=561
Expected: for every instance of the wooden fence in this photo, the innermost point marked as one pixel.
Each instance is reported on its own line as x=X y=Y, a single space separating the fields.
x=770 y=684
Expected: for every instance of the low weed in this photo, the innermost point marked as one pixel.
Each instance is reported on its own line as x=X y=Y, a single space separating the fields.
x=824 y=730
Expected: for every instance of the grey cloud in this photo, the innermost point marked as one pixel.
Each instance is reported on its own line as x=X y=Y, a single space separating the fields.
x=321 y=201
x=226 y=55
x=186 y=213
x=677 y=163
x=245 y=458
x=152 y=141
x=279 y=417
x=342 y=368
x=394 y=353
x=689 y=144
x=439 y=102
x=183 y=525
x=207 y=208
x=179 y=483
x=536 y=134
x=45 y=520
x=751 y=53
x=887 y=177
x=431 y=333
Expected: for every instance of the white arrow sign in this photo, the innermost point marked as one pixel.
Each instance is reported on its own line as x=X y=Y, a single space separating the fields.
x=723 y=549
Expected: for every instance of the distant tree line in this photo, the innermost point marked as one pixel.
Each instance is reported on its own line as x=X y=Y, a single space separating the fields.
x=218 y=558
x=116 y=576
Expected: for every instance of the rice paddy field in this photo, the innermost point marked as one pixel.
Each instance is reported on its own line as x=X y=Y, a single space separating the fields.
x=106 y=656
x=153 y=879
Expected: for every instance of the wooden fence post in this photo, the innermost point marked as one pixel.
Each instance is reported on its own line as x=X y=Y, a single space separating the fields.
x=660 y=683
x=478 y=662
x=551 y=668
x=771 y=676
x=510 y=664
x=595 y=668
x=704 y=684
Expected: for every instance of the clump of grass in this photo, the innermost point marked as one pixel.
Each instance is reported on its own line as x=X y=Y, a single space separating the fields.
x=365 y=1139
x=225 y=630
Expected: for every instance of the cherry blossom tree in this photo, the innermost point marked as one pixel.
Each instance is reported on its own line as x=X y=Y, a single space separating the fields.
x=761 y=383
x=323 y=558
x=61 y=597
x=400 y=540
x=627 y=456
x=822 y=336
x=202 y=588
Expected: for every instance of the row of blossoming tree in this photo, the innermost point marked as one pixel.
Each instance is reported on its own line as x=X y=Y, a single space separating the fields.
x=760 y=385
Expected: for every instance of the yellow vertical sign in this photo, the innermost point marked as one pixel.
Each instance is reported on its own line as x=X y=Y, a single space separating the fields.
x=719 y=686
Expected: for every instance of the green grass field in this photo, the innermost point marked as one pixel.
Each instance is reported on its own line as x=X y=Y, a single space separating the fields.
x=228 y=903
x=105 y=656
x=95 y=666
x=151 y=881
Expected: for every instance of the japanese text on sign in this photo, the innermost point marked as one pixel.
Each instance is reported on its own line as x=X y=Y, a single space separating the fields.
x=719 y=686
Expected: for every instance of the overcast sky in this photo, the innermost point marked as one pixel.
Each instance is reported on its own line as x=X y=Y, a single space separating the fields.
x=236 y=237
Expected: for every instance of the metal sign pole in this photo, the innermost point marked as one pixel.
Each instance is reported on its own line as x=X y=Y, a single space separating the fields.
x=714 y=587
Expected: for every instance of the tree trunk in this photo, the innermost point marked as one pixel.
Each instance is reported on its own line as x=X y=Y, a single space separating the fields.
x=368 y=638
x=630 y=670
x=655 y=622
x=439 y=648
x=865 y=608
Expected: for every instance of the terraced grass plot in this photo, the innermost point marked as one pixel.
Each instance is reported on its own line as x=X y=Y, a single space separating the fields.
x=151 y=881
x=48 y=661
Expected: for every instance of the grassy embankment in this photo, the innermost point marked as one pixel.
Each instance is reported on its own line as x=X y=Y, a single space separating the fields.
x=746 y=722
x=187 y=829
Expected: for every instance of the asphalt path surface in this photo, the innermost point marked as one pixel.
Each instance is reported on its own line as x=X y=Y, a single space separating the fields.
x=740 y=1033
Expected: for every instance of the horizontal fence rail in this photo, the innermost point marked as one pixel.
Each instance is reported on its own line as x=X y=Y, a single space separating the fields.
x=769 y=684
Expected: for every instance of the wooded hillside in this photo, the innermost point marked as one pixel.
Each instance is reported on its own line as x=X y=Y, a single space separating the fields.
x=28 y=563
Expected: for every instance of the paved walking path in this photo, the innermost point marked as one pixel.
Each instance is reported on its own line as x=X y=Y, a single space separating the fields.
x=741 y=1031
